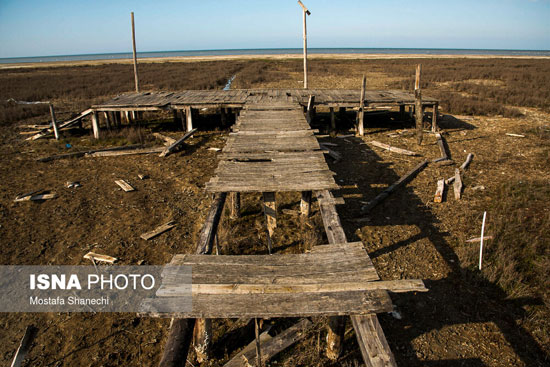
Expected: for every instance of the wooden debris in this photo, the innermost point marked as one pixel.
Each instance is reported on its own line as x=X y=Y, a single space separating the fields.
x=305 y=203
x=72 y=185
x=516 y=135
x=214 y=149
x=167 y=140
x=466 y=162
x=457 y=184
x=403 y=180
x=444 y=159
x=176 y=145
x=294 y=213
x=271 y=346
x=98 y=257
x=143 y=176
x=24 y=346
x=392 y=149
x=36 y=197
x=335 y=155
x=328 y=144
x=63 y=125
x=115 y=153
x=371 y=339
x=124 y=185
x=478 y=239
x=177 y=343
x=84 y=153
x=210 y=226
x=159 y=230
x=438 y=198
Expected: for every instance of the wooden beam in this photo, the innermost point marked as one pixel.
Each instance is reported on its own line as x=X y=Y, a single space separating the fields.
x=124 y=185
x=136 y=79
x=402 y=181
x=177 y=343
x=235 y=205
x=189 y=118
x=270 y=211
x=361 y=112
x=54 y=122
x=210 y=226
x=419 y=111
x=371 y=339
x=438 y=198
x=176 y=145
x=442 y=149
x=305 y=203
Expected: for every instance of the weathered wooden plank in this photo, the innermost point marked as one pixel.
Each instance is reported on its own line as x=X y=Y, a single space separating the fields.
x=176 y=145
x=457 y=184
x=124 y=185
x=158 y=231
x=372 y=342
x=392 y=149
x=98 y=257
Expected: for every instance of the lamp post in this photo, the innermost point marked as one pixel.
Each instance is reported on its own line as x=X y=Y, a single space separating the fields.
x=305 y=12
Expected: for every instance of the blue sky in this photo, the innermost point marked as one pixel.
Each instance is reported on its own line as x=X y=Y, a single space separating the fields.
x=54 y=27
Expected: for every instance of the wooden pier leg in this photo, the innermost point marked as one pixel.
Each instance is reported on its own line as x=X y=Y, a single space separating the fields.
x=133 y=115
x=402 y=112
x=127 y=117
x=335 y=336
x=223 y=117
x=107 y=117
x=332 y=119
x=419 y=111
x=361 y=112
x=54 y=122
x=309 y=111
x=189 y=118
x=235 y=205
x=202 y=339
x=95 y=124
x=305 y=203
x=270 y=210
x=435 y=113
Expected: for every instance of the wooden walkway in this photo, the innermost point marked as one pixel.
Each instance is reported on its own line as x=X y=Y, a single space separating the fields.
x=235 y=98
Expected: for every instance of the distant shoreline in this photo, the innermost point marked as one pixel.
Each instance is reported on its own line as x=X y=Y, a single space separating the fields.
x=342 y=56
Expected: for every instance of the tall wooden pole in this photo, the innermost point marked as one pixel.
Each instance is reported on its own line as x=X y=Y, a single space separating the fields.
x=419 y=111
x=135 y=54
x=361 y=117
x=305 y=12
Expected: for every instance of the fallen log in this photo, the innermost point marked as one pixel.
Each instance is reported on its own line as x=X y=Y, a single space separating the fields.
x=393 y=149
x=176 y=145
x=384 y=194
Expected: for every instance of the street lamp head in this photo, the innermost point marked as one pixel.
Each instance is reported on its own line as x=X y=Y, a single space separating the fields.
x=304 y=7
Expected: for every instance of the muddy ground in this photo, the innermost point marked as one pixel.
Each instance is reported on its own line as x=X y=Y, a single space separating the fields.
x=466 y=319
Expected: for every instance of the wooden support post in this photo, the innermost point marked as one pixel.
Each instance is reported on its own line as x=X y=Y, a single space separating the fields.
x=202 y=339
x=134 y=115
x=54 y=122
x=309 y=111
x=418 y=105
x=223 y=117
x=127 y=117
x=435 y=114
x=235 y=205
x=270 y=210
x=361 y=112
x=402 y=112
x=305 y=12
x=95 y=124
x=332 y=119
x=118 y=118
x=258 y=345
x=79 y=123
x=136 y=79
x=189 y=118
x=305 y=203
x=175 y=117
x=177 y=344
x=107 y=118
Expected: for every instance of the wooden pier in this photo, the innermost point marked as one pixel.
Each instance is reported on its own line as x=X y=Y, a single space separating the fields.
x=272 y=149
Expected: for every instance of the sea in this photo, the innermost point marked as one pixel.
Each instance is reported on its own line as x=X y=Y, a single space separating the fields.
x=277 y=51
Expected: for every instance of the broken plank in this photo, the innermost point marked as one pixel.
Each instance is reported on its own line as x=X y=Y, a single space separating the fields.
x=124 y=185
x=36 y=197
x=83 y=153
x=271 y=346
x=438 y=198
x=158 y=231
x=392 y=149
x=24 y=346
x=457 y=184
x=63 y=125
x=174 y=146
x=478 y=239
x=403 y=180
x=98 y=257
x=115 y=153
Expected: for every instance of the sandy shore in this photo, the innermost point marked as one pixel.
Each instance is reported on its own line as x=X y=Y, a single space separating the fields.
x=262 y=57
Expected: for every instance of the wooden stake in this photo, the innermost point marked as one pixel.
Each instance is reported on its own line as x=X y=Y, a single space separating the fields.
x=361 y=112
x=54 y=122
x=418 y=105
x=438 y=198
x=305 y=12
x=235 y=205
x=135 y=54
x=305 y=203
x=481 y=240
